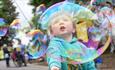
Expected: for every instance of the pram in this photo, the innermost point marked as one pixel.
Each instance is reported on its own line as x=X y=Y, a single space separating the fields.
x=18 y=59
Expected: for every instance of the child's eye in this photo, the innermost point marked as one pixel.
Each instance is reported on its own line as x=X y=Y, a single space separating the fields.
x=55 y=22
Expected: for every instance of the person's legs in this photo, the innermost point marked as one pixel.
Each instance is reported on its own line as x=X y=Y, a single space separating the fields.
x=7 y=62
x=23 y=60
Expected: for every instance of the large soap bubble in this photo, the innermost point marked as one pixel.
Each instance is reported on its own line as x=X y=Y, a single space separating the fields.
x=36 y=49
x=91 y=48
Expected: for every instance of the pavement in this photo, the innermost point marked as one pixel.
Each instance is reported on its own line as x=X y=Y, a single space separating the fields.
x=32 y=66
x=107 y=64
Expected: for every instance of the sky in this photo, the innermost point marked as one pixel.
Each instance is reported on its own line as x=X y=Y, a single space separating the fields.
x=25 y=15
x=25 y=11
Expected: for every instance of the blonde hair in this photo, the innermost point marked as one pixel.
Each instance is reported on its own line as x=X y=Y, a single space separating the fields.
x=60 y=14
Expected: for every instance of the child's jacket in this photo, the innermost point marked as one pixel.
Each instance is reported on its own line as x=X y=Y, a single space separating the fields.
x=60 y=50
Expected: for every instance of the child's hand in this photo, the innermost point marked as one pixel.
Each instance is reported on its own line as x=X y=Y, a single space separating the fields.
x=54 y=68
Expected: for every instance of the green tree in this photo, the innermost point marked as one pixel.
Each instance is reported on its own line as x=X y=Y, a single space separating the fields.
x=36 y=3
x=8 y=10
x=47 y=3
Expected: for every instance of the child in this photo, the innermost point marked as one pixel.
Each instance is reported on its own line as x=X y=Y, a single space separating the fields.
x=62 y=28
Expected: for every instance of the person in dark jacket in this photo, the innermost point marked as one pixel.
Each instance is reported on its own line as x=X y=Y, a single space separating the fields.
x=7 y=56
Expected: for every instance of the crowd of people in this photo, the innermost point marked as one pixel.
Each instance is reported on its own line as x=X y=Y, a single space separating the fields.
x=17 y=55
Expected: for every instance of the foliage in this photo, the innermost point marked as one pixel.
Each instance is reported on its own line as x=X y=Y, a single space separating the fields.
x=35 y=21
x=8 y=10
x=36 y=3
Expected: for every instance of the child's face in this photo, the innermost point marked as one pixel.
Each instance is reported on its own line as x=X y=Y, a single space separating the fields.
x=62 y=25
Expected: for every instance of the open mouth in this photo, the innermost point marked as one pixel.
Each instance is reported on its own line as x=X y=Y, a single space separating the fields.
x=62 y=28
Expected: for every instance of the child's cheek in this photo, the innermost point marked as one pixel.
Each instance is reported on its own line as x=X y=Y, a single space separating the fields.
x=55 y=32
